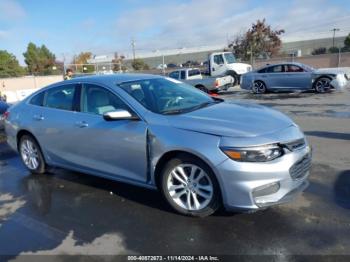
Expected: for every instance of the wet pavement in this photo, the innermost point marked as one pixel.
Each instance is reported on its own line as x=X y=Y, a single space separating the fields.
x=66 y=212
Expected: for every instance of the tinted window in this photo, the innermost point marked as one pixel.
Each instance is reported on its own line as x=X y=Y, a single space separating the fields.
x=98 y=100
x=38 y=99
x=194 y=72
x=167 y=96
x=275 y=69
x=183 y=74
x=218 y=59
x=174 y=75
x=293 y=68
x=262 y=71
x=60 y=97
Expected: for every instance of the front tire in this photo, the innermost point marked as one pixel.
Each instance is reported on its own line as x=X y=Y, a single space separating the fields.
x=322 y=85
x=259 y=87
x=235 y=78
x=190 y=187
x=31 y=155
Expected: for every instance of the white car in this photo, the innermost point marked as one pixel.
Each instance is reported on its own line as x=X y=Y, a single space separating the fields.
x=162 y=66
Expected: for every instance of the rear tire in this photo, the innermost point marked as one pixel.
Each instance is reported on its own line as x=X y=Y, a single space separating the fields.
x=190 y=187
x=259 y=87
x=31 y=155
x=203 y=88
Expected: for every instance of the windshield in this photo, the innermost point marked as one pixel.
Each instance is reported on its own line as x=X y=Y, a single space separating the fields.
x=230 y=58
x=167 y=96
x=308 y=68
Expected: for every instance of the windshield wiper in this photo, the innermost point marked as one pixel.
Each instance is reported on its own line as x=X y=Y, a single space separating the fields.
x=173 y=112
x=186 y=110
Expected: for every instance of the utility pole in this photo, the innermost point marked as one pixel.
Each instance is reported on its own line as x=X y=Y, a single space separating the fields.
x=334 y=30
x=133 y=48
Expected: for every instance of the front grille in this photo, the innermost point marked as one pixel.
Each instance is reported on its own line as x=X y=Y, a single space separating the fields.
x=296 y=144
x=300 y=169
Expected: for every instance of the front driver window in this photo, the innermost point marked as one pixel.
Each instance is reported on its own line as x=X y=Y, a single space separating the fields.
x=98 y=100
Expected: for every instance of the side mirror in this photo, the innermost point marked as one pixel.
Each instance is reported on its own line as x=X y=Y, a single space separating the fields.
x=120 y=114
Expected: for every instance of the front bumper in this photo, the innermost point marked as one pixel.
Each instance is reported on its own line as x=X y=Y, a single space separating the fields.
x=253 y=186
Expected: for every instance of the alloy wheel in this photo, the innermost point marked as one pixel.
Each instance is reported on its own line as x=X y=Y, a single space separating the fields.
x=259 y=87
x=322 y=85
x=30 y=154
x=190 y=187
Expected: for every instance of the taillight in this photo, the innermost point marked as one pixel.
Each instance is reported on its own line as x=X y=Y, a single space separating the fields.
x=6 y=115
x=216 y=84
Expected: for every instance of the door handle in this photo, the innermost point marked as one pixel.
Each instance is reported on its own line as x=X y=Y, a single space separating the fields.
x=38 y=117
x=82 y=124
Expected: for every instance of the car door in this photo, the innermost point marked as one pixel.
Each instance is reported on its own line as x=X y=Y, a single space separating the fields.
x=275 y=77
x=114 y=148
x=52 y=122
x=218 y=65
x=298 y=78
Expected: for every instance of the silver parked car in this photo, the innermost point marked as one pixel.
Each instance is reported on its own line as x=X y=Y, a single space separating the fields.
x=160 y=133
x=293 y=76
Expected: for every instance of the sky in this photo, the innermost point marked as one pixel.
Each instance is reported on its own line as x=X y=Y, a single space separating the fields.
x=107 y=26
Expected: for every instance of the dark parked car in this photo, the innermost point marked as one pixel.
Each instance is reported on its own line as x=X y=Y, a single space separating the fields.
x=171 y=65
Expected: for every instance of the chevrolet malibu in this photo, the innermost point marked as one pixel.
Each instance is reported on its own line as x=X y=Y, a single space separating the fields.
x=294 y=76
x=159 y=133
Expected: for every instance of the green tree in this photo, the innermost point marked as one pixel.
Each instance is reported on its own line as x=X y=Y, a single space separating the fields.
x=9 y=66
x=333 y=50
x=40 y=60
x=319 y=51
x=139 y=64
x=346 y=47
x=259 y=40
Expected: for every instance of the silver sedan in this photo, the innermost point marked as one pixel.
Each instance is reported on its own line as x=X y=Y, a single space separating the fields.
x=162 y=134
x=293 y=76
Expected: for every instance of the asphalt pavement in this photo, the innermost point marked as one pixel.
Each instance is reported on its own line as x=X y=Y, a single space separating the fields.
x=70 y=213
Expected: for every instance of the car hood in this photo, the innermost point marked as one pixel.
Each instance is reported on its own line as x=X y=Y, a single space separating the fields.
x=232 y=120
x=332 y=71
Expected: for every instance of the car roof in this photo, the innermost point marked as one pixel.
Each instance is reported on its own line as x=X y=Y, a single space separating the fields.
x=113 y=79
x=282 y=63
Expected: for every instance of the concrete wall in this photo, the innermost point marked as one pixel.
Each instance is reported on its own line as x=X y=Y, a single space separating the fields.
x=17 y=88
x=318 y=61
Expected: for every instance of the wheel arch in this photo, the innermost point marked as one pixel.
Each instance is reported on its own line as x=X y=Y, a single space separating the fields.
x=178 y=153
x=23 y=132
x=319 y=77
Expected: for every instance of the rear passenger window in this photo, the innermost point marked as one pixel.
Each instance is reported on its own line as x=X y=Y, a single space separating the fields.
x=38 y=99
x=194 y=72
x=60 y=97
x=275 y=69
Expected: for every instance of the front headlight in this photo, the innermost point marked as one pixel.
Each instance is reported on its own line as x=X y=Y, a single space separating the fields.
x=254 y=154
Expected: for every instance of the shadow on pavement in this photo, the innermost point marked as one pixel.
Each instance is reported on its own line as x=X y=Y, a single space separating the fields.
x=342 y=189
x=332 y=135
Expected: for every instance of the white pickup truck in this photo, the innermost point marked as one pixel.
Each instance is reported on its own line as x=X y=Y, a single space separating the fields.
x=224 y=63
x=194 y=77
